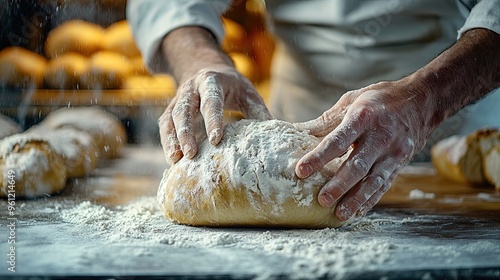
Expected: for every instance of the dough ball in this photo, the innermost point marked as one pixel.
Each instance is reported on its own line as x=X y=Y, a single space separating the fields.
x=107 y=131
x=77 y=148
x=74 y=36
x=31 y=164
x=106 y=70
x=118 y=38
x=21 y=68
x=161 y=85
x=248 y=180
x=8 y=127
x=64 y=71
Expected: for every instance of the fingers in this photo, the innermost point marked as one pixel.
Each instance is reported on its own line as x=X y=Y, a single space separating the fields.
x=350 y=173
x=378 y=195
x=330 y=119
x=184 y=114
x=254 y=107
x=168 y=136
x=333 y=145
x=212 y=108
x=362 y=192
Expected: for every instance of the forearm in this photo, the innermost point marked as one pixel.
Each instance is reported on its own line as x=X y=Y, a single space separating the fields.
x=461 y=75
x=190 y=49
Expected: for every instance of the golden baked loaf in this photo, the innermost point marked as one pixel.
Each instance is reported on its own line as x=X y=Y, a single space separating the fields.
x=234 y=36
x=77 y=148
x=106 y=70
x=29 y=167
x=245 y=65
x=461 y=158
x=138 y=67
x=21 y=68
x=118 y=38
x=8 y=127
x=64 y=71
x=161 y=85
x=74 y=36
x=108 y=132
x=248 y=180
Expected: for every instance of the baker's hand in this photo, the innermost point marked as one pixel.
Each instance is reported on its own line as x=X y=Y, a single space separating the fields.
x=384 y=124
x=208 y=92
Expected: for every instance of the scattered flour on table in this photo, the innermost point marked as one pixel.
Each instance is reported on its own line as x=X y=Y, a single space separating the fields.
x=316 y=252
x=418 y=194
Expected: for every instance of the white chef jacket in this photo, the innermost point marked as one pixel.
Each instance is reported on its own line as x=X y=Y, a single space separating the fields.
x=327 y=47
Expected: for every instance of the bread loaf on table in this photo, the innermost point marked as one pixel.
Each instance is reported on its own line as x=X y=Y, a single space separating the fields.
x=461 y=158
x=29 y=167
x=78 y=149
x=492 y=167
x=8 y=127
x=107 y=130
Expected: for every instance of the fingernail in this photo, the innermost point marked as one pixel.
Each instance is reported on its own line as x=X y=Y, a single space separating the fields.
x=188 y=151
x=343 y=212
x=326 y=200
x=304 y=170
x=214 y=136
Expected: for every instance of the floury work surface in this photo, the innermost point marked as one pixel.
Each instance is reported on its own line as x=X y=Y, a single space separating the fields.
x=110 y=226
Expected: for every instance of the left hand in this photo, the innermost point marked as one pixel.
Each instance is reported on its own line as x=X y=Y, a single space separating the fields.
x=386 y=125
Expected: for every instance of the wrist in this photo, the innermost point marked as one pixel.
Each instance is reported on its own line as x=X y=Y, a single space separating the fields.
x=188 y=50
x=459 y=76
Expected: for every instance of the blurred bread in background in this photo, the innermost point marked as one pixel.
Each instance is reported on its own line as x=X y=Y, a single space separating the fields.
x=106 y=70
x=118 y=38
x=64 y=71
x=74 y=36
x=160 y=85
x=21 y=68
x=8 y=127
x=467 y=159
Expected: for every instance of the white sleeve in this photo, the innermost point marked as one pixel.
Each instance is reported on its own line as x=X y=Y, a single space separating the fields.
x=480 y=14
x=152 y=20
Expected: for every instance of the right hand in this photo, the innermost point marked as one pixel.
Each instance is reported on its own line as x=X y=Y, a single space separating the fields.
x=209 y=92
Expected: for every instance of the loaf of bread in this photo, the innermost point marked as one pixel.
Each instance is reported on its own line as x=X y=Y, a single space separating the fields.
x=77 y=148
x=29 y=167
x=21 y=68
x=64 y=71
x=160 y=85
x=461 y=158
x=234 y=36
x=248 y=180
x=492 y=167
x=8 y=127
x=106 y=70
x=107 y=131
x=74 y=36
x=138 y=67
x=118 y=38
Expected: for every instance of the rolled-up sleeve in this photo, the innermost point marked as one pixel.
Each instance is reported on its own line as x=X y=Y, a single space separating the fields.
x=480 y=14
x=152 y=20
